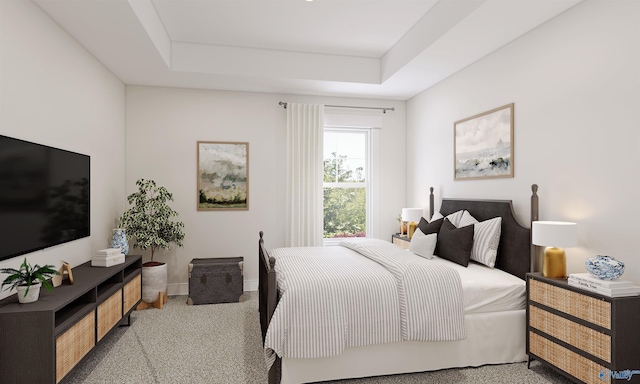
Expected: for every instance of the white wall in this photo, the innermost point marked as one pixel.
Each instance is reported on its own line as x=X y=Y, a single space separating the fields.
x=163 y=127
x=53 y=92
x=575 y=82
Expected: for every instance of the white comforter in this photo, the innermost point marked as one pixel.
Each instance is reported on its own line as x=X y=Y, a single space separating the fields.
x=333 y=298
x=488 y=289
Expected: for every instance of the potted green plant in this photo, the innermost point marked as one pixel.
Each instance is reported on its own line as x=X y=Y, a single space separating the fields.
x=27 y=280
x=148 y=222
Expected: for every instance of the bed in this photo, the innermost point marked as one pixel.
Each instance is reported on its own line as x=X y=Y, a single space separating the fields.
x=493 y=319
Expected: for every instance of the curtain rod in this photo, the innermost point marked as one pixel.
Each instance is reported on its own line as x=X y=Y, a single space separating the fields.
x=384 y=110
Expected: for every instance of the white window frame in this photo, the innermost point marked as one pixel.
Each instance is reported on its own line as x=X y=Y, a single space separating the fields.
x=371 y=172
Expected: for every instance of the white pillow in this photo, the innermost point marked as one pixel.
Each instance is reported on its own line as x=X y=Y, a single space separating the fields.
x=455 y=217
x=486 y=237
x=436 y=216
x=423 y=245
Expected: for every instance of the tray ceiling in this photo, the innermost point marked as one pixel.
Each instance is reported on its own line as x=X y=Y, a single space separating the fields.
x=386 y=49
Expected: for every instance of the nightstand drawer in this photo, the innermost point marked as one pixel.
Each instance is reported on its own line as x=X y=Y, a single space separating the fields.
x=577 y=366
x=589 y=340
x=581 y=306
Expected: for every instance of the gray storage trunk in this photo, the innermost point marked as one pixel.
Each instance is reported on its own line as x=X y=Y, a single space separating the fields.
x=218 y=280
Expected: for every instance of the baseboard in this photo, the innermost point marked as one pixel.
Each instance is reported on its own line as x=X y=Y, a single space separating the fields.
x=251 y=285
x=183 y=288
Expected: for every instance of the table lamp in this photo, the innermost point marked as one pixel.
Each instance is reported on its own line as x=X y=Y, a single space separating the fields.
x=553 y=235
x=411 y=215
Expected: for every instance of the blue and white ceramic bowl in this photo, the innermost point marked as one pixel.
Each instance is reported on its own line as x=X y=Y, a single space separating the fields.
x=605 y=267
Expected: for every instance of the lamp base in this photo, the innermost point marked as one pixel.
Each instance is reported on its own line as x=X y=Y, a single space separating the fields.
x=412 y=228
x=554 y=264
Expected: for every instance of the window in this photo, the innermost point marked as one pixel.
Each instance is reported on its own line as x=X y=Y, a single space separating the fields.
x=347 y=177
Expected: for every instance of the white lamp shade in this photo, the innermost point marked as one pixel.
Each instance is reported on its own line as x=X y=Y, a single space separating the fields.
x=554 y=234
x=412 y=214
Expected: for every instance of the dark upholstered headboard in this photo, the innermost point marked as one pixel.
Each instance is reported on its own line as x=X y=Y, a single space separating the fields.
x=514 y=251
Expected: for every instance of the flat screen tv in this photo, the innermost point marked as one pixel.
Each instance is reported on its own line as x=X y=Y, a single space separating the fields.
x=44 y=196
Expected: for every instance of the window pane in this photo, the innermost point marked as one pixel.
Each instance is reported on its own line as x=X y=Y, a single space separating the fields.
x=344 y=156
x=345 y=212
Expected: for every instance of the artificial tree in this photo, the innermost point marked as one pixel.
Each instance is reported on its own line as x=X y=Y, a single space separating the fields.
x=149 y=220
x=148 y=223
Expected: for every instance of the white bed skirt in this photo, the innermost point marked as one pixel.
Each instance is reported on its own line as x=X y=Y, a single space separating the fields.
x=492 y=338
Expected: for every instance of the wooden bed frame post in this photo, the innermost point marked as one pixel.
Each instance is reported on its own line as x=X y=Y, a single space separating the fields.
x=268 y=297
x=431 y=203
x=535 y=250
x=266 y=286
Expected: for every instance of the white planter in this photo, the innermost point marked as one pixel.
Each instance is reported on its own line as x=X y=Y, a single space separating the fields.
x=154 y=280
x=32 y=295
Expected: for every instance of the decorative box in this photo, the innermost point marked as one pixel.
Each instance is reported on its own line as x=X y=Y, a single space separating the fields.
x=107 y=261
x=216 y=280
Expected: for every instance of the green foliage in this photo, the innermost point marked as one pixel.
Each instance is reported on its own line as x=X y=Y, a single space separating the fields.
x=28 y=275
x=237 y=201
x=344 y=211
x=335 y=170
x=149 y=220
x=344 y=208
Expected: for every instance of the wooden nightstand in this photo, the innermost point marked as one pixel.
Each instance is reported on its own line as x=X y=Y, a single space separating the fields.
x=400 y=241
x=585 y=336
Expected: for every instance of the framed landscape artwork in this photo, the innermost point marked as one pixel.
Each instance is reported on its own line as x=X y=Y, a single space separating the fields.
x=483 y=145
x=223 y=176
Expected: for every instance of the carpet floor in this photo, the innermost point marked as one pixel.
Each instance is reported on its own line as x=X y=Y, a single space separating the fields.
x=221 y=344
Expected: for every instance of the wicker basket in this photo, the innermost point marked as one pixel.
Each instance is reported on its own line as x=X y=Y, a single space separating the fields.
x=72 y=345
x=581 y=306
x=589 y=340
x=569 y=361
x=132 y=293
x=109 y=313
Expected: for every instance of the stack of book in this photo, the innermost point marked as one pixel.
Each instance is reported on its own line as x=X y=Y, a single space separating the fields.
x=611 y=288
x=107 y=257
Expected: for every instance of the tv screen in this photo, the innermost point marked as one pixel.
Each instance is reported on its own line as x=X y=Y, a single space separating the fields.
x=44 y=196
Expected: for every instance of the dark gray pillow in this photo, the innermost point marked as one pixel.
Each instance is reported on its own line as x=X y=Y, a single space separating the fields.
x=430 y=227
x=454 y=244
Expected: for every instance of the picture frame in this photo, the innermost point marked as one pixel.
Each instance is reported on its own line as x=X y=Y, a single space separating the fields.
x=64 y=274
x=483 y=145
x=223 y=176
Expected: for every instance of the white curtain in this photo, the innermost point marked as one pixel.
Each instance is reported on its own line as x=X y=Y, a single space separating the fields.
x=305 y=131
